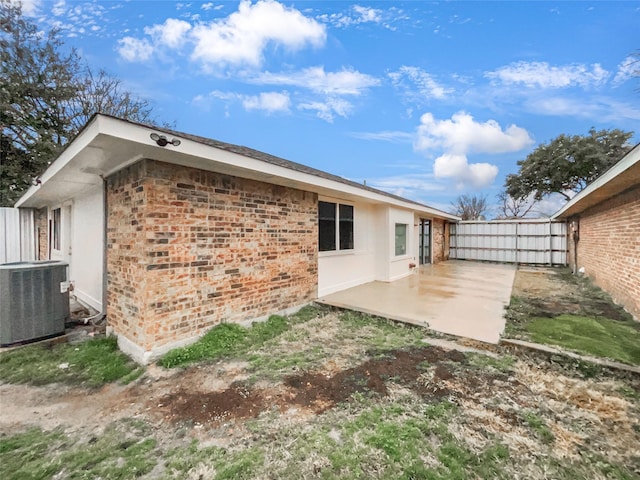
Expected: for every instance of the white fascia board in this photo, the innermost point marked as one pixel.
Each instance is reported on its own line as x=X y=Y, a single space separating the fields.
x=74 y=148
x=198 y=155
x=140 y=134
x=627 y=162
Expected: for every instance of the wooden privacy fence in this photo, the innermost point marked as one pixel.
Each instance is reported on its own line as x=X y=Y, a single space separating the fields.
x=17 y=235
x=538 y=242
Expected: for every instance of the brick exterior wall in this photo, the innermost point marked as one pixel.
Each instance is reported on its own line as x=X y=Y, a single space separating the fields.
x=189 y=249
x=609 y=247
x=440 y=238
x=42 y=233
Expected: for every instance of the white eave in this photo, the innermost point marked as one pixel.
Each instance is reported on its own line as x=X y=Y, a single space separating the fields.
x=621 y=177
x=108 y=144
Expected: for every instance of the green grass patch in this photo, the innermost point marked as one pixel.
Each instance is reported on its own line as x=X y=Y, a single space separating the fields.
x=381 y=333
x=595 y=336
x=503 y=363
x=37 y=454
x=229 y=339
x=94 y=362
x=538 y=425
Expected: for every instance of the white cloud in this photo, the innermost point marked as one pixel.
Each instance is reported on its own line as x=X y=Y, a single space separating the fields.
x=367 y=14
x=415 y=185
x=400 y=184
x=543 y=75
x=356 y=15
x=385 y=136
x=239 y=39
x=417 y=84
x=462 y=134
x=628 y=68
x=270 y=102
x=457 y=168
x=328 y=109
x=171 y=33
x=207 y=6
x=344 y=82
x=601 y=108
x=59 y=8
x=332 y=86
x=135 y=50
x=242 y=37
x=29 y=7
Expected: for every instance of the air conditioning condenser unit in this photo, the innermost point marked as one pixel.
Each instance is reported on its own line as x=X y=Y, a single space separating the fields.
x=34 y=300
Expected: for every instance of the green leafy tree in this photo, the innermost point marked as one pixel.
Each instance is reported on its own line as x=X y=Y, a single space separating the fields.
x=567 y=164
x=36 y=79
x=470 y=207
x=46 y=96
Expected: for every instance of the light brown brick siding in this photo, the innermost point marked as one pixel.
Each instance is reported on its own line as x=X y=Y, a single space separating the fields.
x=188 y=249
x=609 y=247
x=42 y=233
x=440 y=238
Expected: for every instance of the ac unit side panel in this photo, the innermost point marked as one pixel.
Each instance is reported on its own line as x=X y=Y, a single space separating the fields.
x=32 y=306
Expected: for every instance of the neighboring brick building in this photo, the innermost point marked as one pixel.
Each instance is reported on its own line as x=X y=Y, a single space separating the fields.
x=171 y=238
x=604 y=231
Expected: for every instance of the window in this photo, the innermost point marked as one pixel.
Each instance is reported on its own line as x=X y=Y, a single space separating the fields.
x=401 y=239
x=335 y=227
x=327 y=226
x=56 y=227
x=346 y=227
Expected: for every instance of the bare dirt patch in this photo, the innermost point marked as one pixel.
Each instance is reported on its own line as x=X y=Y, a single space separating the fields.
x=315 y=391
x=552 y=292
x=491 y=400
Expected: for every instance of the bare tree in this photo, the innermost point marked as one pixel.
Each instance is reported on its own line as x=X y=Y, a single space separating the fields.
x=510 y=207
x=102 y=93
x=470 y=207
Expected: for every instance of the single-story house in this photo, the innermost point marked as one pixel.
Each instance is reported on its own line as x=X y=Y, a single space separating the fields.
x=170 y=234
x=604 y=230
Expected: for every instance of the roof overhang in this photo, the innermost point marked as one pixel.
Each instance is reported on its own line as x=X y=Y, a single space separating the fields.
x=108 y=144
x=621 y=177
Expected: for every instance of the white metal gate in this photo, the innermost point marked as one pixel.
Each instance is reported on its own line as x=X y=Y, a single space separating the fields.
x=542 y=242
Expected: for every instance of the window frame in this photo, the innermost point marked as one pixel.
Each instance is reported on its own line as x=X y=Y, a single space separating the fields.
x=56 y=229
x=338 y=220
x=396 y=237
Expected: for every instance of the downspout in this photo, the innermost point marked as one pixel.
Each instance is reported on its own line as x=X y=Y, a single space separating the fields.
x=105 y=213
x=575 y=233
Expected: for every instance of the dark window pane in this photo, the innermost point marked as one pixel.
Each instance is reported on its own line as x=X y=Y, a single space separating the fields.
x=401 y=239
x=346 y=227
x=326 y=226
x=56 y=229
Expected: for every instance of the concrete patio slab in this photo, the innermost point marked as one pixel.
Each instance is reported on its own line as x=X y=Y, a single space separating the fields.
x=461 y=298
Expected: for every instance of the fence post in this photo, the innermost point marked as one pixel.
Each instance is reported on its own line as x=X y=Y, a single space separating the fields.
x=517 y=223
x=550 y=245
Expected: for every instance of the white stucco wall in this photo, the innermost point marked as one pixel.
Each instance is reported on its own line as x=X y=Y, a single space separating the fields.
x=87 y=246
x=340 y=270
x=399 y=265
x=374 y=255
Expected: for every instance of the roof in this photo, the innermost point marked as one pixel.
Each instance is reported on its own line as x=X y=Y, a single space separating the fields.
x=623 y=176
x=107 y=144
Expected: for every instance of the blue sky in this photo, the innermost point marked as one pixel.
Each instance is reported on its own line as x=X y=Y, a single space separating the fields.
x=428 y=100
